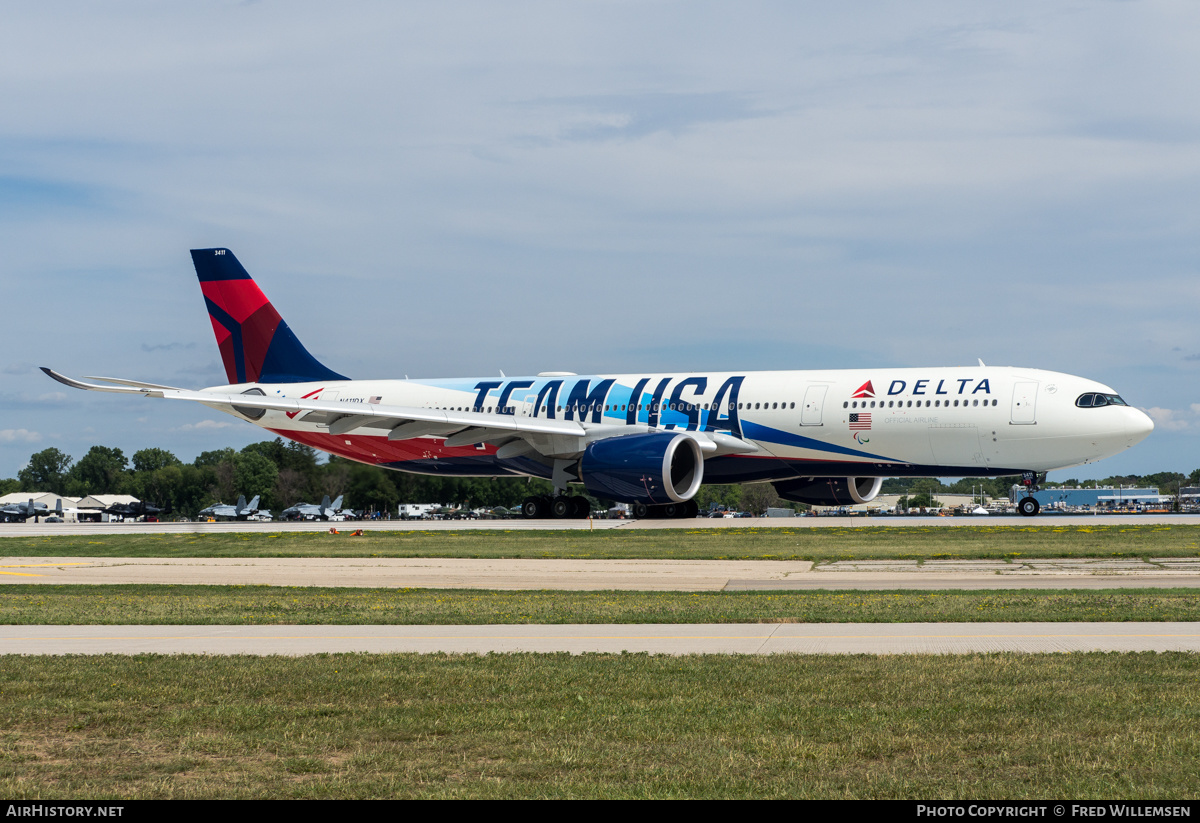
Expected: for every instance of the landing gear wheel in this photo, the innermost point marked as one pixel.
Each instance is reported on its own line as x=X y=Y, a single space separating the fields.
x=535 y=508
x=670 y=510
x=580 y=507
x=691 y=509
x=1028 y=506
x=560 y=507
x=641 y=511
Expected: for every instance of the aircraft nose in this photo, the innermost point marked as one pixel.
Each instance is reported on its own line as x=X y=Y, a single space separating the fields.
x=1139 y=426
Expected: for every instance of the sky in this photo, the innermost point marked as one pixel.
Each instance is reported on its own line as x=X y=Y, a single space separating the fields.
x=454 y=189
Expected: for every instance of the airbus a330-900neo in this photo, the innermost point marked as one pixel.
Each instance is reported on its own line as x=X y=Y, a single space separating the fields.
x=821 y=437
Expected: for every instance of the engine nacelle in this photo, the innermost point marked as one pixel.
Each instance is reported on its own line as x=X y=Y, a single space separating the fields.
x=830 y=491
x=654 y=468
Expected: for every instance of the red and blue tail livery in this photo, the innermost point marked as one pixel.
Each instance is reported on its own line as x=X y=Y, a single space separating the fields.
x=256 y=344
x=652 y=440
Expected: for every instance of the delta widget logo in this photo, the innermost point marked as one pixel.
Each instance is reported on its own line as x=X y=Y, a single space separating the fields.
x=312 y=394
x=865 y=390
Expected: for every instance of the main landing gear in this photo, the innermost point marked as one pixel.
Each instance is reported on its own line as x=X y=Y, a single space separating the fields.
x=559 y=507
x=1029 y=506
x=667 y=511
x=563 y=507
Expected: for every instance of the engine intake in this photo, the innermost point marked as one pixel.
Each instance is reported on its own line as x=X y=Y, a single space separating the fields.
x=830 y=491
x=653 y=468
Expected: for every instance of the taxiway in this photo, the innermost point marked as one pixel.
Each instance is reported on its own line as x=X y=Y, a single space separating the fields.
x=601 y=575
x=733 y=638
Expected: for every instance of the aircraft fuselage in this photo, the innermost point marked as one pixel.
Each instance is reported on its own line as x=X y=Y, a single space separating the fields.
x=976 y=421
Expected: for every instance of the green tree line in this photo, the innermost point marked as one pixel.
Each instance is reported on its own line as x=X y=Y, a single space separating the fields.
x=281 y=473
x=285 y=473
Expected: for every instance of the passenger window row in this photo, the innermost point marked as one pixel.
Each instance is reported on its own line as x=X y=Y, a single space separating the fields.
x=624 y=406
x=902 y=404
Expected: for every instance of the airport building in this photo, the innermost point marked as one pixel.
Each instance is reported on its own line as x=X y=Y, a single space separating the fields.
x=49 y=498
x=1104 y=497
x=88 y=509
x=889 y=503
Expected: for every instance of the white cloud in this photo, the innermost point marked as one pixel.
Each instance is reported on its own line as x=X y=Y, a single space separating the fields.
x=18 y=436
x=1174 y=420
x=204 y=425
x=899 y=185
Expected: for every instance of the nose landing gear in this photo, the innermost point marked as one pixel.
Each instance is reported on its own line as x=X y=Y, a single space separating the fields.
x=1029 y=506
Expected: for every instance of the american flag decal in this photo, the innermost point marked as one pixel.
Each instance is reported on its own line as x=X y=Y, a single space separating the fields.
x=375 y=399
x=860 y=421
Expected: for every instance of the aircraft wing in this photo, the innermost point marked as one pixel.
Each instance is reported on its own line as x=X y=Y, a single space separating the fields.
x=343 y=418
x=547 y=437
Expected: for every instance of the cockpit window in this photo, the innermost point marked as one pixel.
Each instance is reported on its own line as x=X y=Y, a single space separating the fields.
x=1085 y=401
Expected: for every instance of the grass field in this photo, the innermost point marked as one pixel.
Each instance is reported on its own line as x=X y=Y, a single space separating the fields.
x=246 y=605
x=1086 y=726
x=767 y=543
x=994 y=726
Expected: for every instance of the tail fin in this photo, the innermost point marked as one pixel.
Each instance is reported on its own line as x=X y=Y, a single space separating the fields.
x=337 y=504
x=324 y=504
x=256 y=344
x=252 y=505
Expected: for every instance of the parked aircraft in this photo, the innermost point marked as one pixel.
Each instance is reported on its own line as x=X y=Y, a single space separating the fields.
x=23 y=511
x=825 y=437
x=133 y=511
x=312 y=511
x=241 y=511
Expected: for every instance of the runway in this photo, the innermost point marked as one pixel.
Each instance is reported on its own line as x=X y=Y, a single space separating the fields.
x=604 y=575
x=783 y=638
x=29 y=529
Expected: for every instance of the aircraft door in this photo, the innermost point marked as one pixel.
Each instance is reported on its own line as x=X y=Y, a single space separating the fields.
x=1024 y=404
x=528 y=406
x=956 y=445
x=814 y=401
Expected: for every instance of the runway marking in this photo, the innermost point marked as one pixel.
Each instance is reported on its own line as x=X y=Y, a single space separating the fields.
x=22 y=574
x=39 y=565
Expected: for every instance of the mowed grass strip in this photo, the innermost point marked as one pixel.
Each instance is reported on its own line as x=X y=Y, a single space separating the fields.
x=1085 y=726
x=266 y=605
x=750 y=543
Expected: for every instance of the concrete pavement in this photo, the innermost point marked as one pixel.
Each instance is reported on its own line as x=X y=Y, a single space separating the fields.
x=736 y=638
x=599 y=575
x=30 y=529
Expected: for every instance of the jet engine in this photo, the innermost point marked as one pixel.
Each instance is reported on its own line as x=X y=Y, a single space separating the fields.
x=653 y=468
x=830 y=491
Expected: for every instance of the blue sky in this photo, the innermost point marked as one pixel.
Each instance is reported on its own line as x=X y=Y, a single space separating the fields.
x=442 y=189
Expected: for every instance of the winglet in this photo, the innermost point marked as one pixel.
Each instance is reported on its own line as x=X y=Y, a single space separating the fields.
x=79 y=384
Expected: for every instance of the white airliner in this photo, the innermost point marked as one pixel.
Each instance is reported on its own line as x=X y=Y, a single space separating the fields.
x=821 y=437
